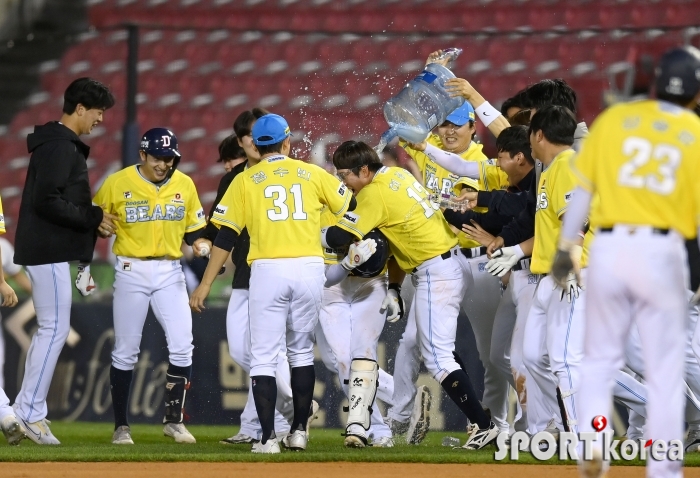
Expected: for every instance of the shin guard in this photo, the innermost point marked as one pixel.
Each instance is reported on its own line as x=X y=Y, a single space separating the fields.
x=362 y=388
x=175 y=392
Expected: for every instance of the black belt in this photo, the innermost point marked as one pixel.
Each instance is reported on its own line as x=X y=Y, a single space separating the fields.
x=473 y=252
x=443 y=256
x=631 y=230
x=522 y=264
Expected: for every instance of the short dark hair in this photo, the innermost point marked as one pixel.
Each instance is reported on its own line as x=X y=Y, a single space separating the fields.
x=518 y=100
x=550 y=92
x=514 y=140
x=355 y=154
x=389 y=151
x=557 y=124
x=230 y=149
x=87 y=92
x=270 y=148
x=244 y=121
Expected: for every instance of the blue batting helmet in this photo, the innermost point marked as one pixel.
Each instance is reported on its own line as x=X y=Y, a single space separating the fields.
x=377 y=261
x=160 y=142
x=678 y=72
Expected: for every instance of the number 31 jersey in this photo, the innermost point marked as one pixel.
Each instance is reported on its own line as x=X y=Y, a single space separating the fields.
x=279 y=200
x=643 y=159
x=396 y=204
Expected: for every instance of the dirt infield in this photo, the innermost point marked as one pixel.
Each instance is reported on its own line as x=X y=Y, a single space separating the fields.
x=298 y=470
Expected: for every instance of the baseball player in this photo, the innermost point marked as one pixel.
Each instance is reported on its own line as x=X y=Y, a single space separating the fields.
x=279 y=201
x=17 y=274
x=237 y=317
x=641 y=160
x=157 y=207
x=57 y=223
x=455 y=135
x=420 y=239
x=11 y=427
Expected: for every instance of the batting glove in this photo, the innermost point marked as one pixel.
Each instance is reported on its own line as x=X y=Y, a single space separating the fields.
x=359 y=253
x=502 y=260
x=83 y=281
x=393 y=303
x=566 y=269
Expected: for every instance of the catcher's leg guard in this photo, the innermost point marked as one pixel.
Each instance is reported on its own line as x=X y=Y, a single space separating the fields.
x=364 y=375
x=175 y=392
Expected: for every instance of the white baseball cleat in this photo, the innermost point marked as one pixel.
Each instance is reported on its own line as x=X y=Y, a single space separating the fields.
x=238 y=439
x=419 y=423
x=270 y=447
x=692 y=442
x=178 y=432
x=355 y=437
x=122 y=436
x=39 y=432
x=296 y=441
x=383 y=442
x=12 y=430
x=480 y=438
x=313 y=415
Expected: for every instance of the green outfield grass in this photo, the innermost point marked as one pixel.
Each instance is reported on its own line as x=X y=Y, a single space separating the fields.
x=91 y=442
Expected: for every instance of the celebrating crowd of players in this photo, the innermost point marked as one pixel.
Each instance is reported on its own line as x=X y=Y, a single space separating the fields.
x=324 y=261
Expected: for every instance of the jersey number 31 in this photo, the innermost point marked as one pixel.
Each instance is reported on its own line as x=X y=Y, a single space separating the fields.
x=663 y=181
x=279 y=199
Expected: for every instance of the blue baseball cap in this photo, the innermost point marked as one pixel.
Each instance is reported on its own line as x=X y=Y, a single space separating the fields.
x=462 y=115
x=270 y=129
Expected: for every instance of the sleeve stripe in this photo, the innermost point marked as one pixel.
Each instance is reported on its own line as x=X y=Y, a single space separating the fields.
x=341 y=211
x=484 y=177
x=561 y=211
x=231 y=224
x=349 y=228
x=194 y=227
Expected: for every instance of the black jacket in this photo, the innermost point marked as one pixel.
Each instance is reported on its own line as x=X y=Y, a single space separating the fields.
x=57 y=221
x=239 y=257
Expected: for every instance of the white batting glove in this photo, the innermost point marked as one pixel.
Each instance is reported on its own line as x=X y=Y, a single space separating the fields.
x=393 y=303
x=83 y=281
x=566 y=269
x=359 y=253
x=502 y=260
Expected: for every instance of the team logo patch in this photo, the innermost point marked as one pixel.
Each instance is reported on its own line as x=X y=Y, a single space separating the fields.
x=351 y=216
x=221 y=210
x=126 y=266
x=127 y=194
x=280 y=172
x=394 y=185
x=568 y=196
x=482 y=266
x=533 y=278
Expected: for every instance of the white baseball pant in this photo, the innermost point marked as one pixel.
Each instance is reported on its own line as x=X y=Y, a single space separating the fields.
x=285 y=300
x=51 y=293
x=5 y=408
x=637 y=276
x=238 y=333
x=160 y=284
x=352 y=323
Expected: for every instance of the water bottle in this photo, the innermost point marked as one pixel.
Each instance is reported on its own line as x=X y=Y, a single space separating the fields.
x=448 y=201
x=421 y=105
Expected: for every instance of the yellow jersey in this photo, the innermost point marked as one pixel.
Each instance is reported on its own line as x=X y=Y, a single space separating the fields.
x=280 y=200
x=554 y=192
x=153 y=219
x=642 y=159
x=398 y=205
x=2 y=220
x=331 y=255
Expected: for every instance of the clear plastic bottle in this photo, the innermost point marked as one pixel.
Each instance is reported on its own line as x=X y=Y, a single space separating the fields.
x=451 y=441
x=422 y=104
x=448 y=201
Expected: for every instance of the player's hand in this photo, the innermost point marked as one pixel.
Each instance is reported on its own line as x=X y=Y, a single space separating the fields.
x=108 y=226
x=201 y=247
x=9 y=298
x=83 y=281
x=460 y=87
x=436 y=57
x=199 y=296
x=502 y=260
x=695 y=300
x=570 y=288
x=417 y=146
x=359 y=253
x=393 y=303
x=566 y=270
x=477 y=233
x=496 y=244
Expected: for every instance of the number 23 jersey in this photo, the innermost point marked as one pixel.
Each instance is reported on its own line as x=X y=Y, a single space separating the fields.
x=279 y=200
x=396 y=204
x=153 y=219
x=643 y=159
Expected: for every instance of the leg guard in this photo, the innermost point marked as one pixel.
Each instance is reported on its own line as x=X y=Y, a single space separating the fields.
x=175 y=392
x=364 y=374
x=566 y=420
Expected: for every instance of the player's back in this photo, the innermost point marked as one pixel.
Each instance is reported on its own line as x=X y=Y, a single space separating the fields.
x=283 y=199
x=414 y=226
x=642 y=158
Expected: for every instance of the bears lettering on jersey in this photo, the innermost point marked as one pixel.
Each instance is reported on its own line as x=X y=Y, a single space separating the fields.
x=168 y=212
